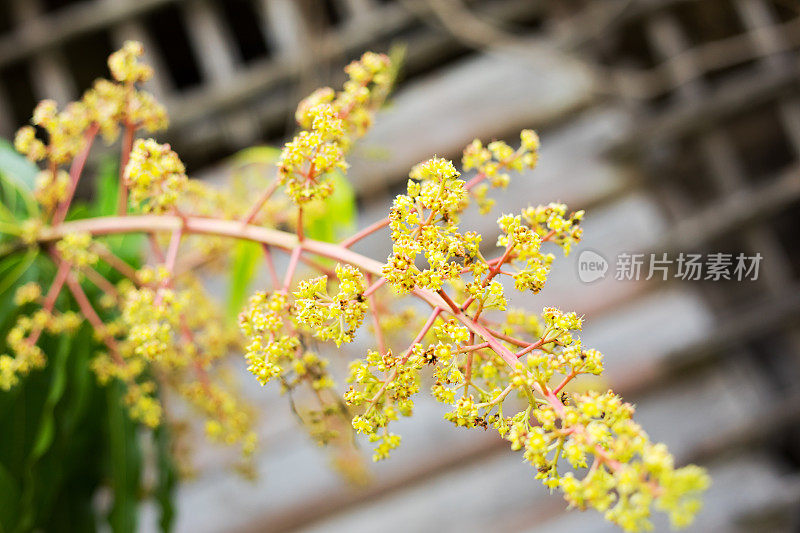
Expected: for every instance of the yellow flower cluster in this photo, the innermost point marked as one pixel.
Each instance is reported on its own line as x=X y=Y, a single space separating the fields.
x=628 y=476
x=125 y=66
x=229 y=421
x=270 y=350
x=64 y=132
x=75 y=248
x=552 y=220
x=512 y=372
x=27 y=356
x=51 y=189
x=424 y=221
x=173 y=334
x=330 y=121
x=155 y=176
x=111 y=104
x=152 y=318
x=332 y=317
x=525 y=244
x=274 y=349
x=494 y=160
x=28 y=293
x=368 y=84
x=106 y=104
x=385 y=398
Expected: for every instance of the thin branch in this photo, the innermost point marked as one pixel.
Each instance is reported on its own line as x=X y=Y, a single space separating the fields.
x=127 y=146
x=91 y=315
x=369 y=230
x=273 y=274
x=115 y=262
x=75 y=171
x=251 y=215
x=100 y=281
x=52 y=296
x=295 y=257
x=172 y=251
x=376 y=322
x=374 y=287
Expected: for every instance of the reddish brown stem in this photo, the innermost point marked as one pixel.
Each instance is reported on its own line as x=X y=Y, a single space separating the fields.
x=52 y=295
x=251 y=215
x=369 y=230
x=468 y=371
x=273 y=274
x=127 y=146
x=300 y=234
x=197 y=366
x=376 y=323
x=530 y=348
x=566 y=380
x=293 y=260
x=75 y=171
x=91 y=315
x=156 y=248
x=55 y=287
x=508 y=338
x=497 y=265
x=100 y=281
x=474 y=347
x=374 y=287
x=428 y=325
x=448 y=301
x=116 y=263
x=172 y=251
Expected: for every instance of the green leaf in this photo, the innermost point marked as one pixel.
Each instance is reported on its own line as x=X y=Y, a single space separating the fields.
x=257 y=154
x=16 y=166
x=126 y=462
x=106 y=189
x=246 y=256
x=167 y=478
x=330 y=219
x=9 y=500
x=17 y=271
x=58 y=383
x=18 y=176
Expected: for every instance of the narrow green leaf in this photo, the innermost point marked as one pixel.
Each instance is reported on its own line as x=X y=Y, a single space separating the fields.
x=328 y=220
x=11 y=277
x=246 y=256
x=9 y=500
x=167 y=478
x=17 y=166
x=125 y=463
x=106 y=189
x=58 y=382
x=18 y=178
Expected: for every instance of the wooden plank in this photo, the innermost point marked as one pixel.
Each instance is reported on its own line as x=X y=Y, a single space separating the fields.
x=78 y=19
